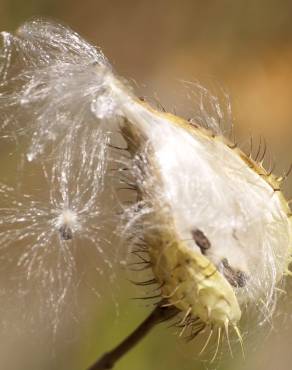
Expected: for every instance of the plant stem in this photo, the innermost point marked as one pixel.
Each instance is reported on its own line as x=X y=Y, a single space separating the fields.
x=158 y=315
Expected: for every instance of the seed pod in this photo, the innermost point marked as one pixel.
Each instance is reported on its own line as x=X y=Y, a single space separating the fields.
x=214 y=222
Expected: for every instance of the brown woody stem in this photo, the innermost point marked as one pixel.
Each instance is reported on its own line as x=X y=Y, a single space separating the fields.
x=159 y=314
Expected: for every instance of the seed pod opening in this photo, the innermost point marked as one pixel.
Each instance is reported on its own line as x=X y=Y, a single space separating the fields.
x=215 y=222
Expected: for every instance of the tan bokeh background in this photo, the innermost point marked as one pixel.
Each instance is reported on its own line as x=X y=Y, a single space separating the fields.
x=244 y=47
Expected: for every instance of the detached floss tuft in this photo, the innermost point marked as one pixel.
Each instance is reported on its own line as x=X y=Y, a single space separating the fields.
x=49 y=240
x=48 y=84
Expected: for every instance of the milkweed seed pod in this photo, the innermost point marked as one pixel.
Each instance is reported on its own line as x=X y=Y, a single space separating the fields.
x=213 y=221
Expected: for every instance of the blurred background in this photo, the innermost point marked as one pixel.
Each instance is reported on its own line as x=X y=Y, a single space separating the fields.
x=242 y=47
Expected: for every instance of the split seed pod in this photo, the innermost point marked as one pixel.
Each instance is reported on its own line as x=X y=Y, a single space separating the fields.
x=214 y=222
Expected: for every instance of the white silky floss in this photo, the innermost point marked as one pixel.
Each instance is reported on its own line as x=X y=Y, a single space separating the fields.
x=212 y=187
x=224 y=207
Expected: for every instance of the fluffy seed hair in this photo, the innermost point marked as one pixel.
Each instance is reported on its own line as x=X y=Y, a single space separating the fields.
x=212 y=222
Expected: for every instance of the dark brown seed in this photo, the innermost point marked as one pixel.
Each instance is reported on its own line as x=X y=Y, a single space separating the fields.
x=201 y=240
x=66 y=232
x=235 y=278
